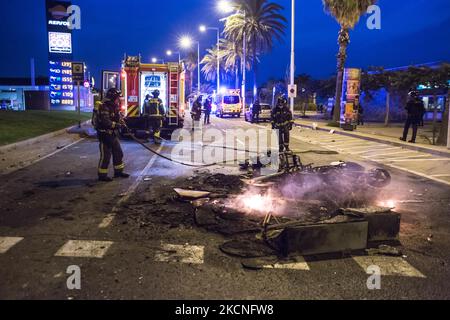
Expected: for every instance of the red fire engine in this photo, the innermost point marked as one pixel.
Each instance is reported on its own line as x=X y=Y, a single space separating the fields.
x=141 y=79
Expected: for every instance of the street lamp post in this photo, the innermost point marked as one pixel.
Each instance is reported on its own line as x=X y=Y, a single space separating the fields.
x=292 y=53
x=186 y=42
x=170 y=53
x=204 y=29
x=226 y=6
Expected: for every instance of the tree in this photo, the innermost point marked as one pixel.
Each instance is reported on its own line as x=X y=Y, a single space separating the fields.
x=191 y=64
x=347 y=13
x=209 y=62
x=261 y=22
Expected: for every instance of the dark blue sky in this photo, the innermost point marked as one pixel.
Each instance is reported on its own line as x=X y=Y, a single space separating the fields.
x=413 y=31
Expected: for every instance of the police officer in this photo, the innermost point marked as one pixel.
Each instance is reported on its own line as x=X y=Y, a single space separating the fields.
x=415 y=108
x=196 y=112
x=208 y=109
x=156 y=114
x=108 y=123
x=256 y=110
x=282 y=120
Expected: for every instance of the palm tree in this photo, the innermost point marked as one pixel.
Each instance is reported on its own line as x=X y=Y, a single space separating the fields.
x=209 y=63
x=261 y=22
x=232 y=55
x=347 y=13
x=191 y=64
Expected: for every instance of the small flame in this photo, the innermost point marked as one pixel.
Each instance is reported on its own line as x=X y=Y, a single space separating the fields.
x=255 y=202
x=388 y=204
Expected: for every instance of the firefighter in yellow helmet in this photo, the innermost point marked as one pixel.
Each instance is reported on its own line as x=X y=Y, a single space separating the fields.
x=107 y=120
x=156 y=114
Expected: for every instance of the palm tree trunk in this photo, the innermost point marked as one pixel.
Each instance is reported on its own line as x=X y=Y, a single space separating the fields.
x=343 y=41
x=255 y=72
x=443 y=134
x=388 y=108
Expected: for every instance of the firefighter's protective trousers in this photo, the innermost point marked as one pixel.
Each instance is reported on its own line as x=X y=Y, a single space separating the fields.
x=110 y=147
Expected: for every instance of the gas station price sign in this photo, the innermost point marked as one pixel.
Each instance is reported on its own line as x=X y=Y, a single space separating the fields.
x=61 y=87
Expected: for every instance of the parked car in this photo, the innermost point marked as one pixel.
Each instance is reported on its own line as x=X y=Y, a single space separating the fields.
x=265 y=114
x=6 y=105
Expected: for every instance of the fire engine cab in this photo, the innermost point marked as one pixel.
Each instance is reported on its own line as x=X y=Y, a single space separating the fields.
x=140 y=79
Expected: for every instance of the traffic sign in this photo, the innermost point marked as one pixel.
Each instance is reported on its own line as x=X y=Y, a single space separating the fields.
x=78 y=71
x=292 y=91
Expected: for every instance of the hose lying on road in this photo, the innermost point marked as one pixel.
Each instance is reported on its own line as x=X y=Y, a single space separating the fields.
x=133 y=137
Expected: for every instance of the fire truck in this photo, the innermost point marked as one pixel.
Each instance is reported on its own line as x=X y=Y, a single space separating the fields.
x=140 y=79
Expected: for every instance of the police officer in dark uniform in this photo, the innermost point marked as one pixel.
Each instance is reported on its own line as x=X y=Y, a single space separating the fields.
x=283 y=121
x=208 y=109
x=256 y=110
x=415 y=108
x=196 y=112
x=156 y=114
x=108 y=124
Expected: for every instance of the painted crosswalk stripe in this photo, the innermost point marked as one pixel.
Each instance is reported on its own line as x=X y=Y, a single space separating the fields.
x=392 y=153
x=299 y=264
x=7 y=243
x=84 y=249
x=180 y=254
x=389 y=266
x=410 y=160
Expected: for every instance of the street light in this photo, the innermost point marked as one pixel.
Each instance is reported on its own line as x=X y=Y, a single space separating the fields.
x=203 y=29
x=226 y=6
x=186 y=43
x=292 y=53
x=170 y=53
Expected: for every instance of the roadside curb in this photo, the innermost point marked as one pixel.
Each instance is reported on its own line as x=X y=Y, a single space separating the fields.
x=373 y=139
x=38 y=139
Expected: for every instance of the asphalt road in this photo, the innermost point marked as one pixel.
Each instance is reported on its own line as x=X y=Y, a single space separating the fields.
x=54 y=214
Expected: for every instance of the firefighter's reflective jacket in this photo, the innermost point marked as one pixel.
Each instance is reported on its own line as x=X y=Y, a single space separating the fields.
x=282 y=118
x=109 y=117
x=155 y=107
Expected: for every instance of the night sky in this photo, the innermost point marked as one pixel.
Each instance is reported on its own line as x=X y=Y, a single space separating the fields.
x=414 y=31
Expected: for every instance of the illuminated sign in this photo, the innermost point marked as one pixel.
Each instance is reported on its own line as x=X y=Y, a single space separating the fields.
x=61 y=87
x=60 y=42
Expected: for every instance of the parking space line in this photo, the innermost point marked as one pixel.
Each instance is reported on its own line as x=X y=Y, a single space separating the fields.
x=84 y=249
x=6 y=243
x=186 y=254
x=389 y=266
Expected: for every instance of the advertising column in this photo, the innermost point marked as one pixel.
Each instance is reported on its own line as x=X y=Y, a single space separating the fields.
x=350 y=97
x=60 y=55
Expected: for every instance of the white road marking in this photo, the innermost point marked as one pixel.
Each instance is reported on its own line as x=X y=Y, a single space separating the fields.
x=84 y=249
x=7 y=243
x=43 y=158
x=300 y=265
x=416 y=157
x=391 y=153
x=419 y=174
x=371 y=147
x=389 y=266
x=180 y=254
x=441 y=175
x=410 y=160
x=370 y=150
x=106 y=222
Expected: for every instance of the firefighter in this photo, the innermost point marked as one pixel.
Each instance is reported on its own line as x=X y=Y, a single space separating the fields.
x=208 y=109
x=156 y=114
x=282 y=120
x=196 y=111
x=108 y=121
